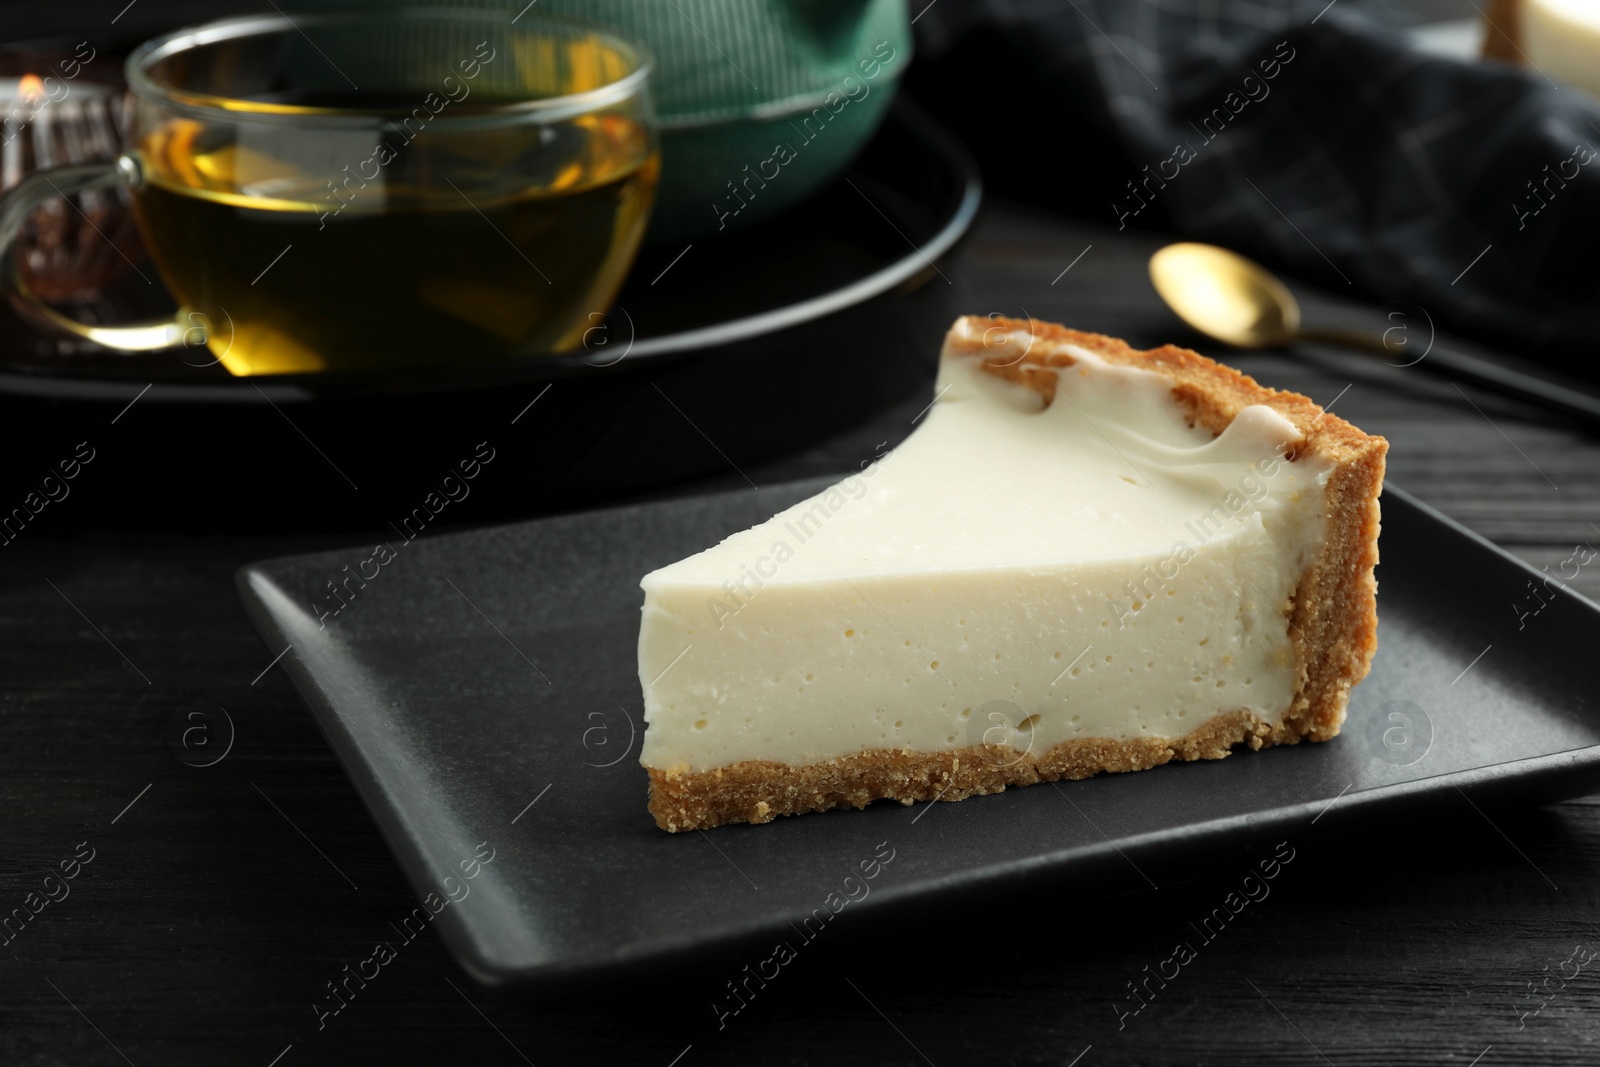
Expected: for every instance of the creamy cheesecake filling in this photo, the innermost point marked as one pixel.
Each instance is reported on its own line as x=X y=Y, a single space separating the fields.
x=1021 y=570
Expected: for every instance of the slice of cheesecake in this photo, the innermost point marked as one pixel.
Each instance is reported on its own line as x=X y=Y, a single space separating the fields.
x=1085 y=558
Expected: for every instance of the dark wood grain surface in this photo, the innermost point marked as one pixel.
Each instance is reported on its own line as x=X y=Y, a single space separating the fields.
x=220 y=900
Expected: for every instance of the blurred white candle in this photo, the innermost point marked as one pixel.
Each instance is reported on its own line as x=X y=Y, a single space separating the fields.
x=1562 y=39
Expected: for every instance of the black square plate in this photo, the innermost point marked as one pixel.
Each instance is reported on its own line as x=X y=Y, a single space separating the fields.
x=481 y=692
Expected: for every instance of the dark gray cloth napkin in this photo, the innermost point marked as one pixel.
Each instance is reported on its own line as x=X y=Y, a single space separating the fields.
x=1307 y=135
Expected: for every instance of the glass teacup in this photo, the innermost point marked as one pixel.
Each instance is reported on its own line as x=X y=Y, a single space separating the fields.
x=367 y=190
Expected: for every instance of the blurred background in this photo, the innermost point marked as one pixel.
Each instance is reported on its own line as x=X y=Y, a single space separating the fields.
x=1424 y=163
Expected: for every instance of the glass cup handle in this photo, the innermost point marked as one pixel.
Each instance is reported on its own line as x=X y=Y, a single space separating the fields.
x=44 y=185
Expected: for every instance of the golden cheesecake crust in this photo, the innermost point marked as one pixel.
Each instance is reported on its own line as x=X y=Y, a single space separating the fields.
x=758 y=791
x=1332 y=614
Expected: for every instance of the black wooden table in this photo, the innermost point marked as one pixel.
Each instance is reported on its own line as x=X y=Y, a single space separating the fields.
x=217 y=903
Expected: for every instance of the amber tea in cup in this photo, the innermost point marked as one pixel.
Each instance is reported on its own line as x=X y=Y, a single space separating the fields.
x=381 y=190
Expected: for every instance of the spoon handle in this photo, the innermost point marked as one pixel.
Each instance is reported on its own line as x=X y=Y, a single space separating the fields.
x=1474 y=370
x=1358 y=339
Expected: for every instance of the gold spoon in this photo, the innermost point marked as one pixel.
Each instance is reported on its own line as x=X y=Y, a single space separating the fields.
x=1239 y=302
x=1242 y=304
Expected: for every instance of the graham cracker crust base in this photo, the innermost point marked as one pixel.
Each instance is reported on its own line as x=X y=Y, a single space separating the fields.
x=759 y=791
x=1332 y=616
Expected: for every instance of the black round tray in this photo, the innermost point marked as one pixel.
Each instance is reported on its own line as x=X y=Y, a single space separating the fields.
x=731 y=350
